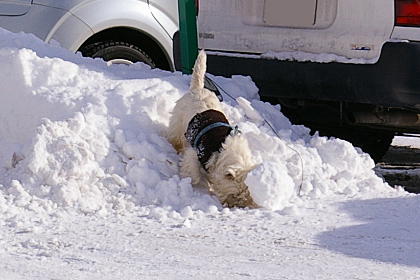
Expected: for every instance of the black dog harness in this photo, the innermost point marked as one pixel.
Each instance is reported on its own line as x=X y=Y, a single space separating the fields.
x=206 y=133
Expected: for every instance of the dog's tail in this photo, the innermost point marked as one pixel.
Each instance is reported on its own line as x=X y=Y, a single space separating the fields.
x=199 y=71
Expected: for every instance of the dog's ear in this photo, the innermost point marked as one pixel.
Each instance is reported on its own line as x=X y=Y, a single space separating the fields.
x=231 y=175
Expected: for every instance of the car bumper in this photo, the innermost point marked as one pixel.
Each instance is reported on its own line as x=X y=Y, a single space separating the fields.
x=393 y=81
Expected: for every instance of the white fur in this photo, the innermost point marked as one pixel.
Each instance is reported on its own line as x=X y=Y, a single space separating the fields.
x=227 y=170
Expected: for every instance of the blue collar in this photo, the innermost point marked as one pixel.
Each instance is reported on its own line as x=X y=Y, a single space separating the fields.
x=206 y=129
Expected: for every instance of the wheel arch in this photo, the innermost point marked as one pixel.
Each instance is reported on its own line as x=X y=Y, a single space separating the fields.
x=131 y=21
x=136 y=37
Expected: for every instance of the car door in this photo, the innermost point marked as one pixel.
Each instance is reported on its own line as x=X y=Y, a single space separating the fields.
x=14 y=7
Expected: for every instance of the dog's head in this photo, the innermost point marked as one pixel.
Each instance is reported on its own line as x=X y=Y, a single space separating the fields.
x=228 y=171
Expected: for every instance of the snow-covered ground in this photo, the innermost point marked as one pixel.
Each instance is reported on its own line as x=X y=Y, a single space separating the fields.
x=89 y=185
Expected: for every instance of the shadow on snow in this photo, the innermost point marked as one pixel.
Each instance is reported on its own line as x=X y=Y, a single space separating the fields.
x=390 y=232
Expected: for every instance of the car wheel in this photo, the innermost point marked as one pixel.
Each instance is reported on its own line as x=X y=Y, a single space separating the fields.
x=117 y=53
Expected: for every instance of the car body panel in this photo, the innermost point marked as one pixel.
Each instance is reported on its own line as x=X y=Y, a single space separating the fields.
x=65 y=5
x=30 y=22
x=166 y=12
x=401 y=33
x=14 y=7
x=64 y=32
x=73 y=22
x=353 y=29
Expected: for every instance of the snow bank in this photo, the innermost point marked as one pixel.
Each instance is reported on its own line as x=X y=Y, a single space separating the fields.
x=78 y=136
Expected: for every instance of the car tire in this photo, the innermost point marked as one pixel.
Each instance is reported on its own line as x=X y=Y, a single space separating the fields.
x=117 y=53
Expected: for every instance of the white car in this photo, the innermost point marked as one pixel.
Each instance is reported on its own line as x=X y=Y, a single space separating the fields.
x=122 y=31
x=346 y=68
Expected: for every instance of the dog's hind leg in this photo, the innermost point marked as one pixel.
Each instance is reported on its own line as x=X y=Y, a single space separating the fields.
x=176 y=142
x=191 y=167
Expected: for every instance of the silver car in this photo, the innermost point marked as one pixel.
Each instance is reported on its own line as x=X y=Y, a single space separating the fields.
x=119 y=31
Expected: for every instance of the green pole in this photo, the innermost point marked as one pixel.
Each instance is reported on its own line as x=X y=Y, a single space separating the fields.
x=188 y=34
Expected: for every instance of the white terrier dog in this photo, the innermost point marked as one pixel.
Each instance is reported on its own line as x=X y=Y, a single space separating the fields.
x=214 y=154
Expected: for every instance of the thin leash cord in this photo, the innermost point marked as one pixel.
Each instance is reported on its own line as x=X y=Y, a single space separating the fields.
x=294 y=150
x=278 y=136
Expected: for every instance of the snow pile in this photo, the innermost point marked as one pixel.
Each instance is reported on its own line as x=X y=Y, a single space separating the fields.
x=270 y=186
x=78 y=136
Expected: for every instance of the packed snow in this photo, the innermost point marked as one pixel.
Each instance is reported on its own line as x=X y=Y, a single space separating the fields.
x=320 y=58
x=89 y=184
x=302 y=57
